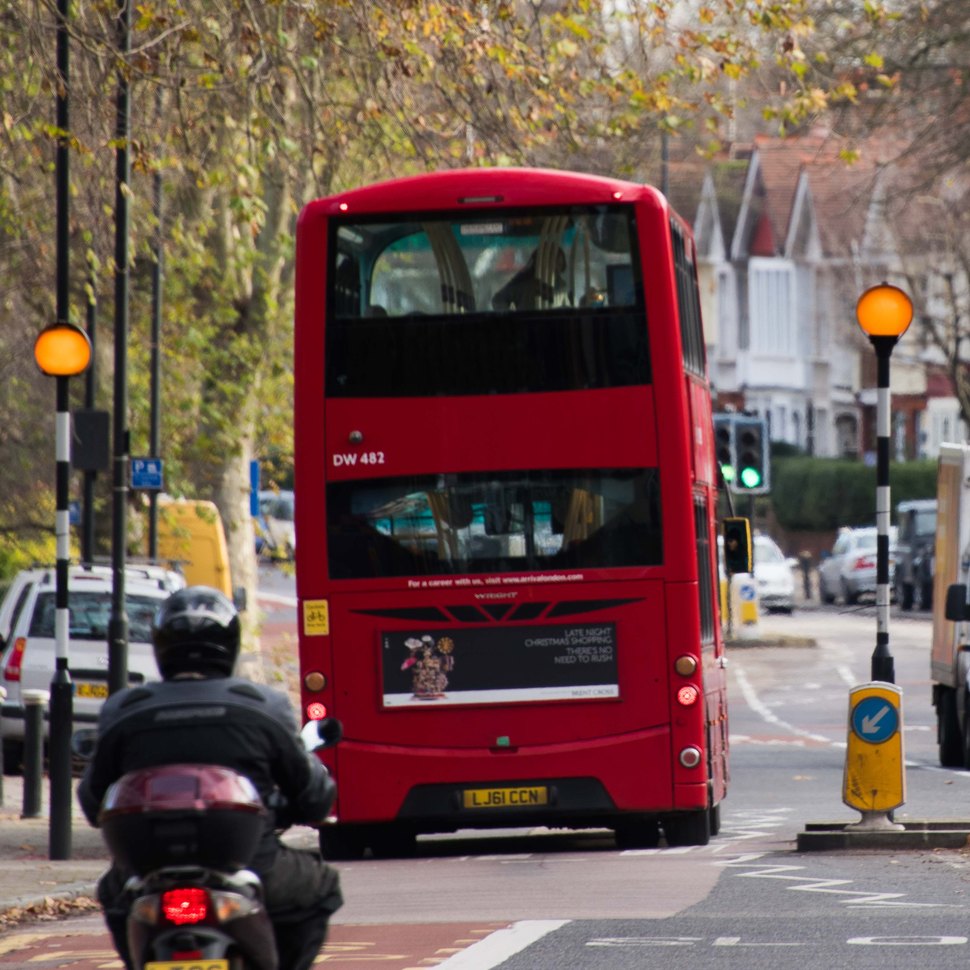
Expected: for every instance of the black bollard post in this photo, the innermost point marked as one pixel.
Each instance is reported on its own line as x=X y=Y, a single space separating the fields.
x=34 y=703
x=805 y=561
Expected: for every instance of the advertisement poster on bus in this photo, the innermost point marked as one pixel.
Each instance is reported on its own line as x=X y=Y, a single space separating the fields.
x=500 y=665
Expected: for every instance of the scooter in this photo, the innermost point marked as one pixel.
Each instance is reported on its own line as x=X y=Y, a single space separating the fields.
x=187 y=832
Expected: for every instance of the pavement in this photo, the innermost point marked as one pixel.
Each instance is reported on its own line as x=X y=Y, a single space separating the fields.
x=29 y=880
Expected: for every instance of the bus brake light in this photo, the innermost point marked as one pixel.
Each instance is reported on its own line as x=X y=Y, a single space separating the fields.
x=687 y=695
x=315 y=711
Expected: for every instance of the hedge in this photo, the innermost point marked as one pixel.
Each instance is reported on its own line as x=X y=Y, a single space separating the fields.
x=822 y=494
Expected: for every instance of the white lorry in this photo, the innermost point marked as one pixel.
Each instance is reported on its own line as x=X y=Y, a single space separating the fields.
x=950 y=658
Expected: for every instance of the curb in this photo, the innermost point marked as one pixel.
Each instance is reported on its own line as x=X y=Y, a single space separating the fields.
x=771 y=640
x=80 y=897
x=915 y=834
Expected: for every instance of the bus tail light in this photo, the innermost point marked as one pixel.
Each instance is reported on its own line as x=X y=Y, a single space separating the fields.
x=690 y=757
x=686 y=665
x=687 y=695
x=314 y=681
x=11 y=670
x=315 y=711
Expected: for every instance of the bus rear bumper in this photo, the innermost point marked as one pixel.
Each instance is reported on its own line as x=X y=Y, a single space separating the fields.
x=438 y=789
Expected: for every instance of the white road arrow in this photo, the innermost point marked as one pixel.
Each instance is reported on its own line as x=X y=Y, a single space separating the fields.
x=871 y=724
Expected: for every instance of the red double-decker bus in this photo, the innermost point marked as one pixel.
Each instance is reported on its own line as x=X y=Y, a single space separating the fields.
x=505 y=509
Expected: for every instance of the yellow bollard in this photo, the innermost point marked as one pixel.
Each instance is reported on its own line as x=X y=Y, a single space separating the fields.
x=874 y=782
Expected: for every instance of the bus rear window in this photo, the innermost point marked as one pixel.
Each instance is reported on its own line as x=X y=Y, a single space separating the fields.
x=494 y=522
x=499 y=302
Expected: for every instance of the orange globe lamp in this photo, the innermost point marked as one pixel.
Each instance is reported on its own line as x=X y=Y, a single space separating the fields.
x=884 y=311
x=62 y=350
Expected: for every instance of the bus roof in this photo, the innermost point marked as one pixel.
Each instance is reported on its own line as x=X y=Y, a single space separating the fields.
x=479 y=187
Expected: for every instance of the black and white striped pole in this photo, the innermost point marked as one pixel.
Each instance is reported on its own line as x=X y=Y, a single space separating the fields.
x=62 y=350
x=884 y=312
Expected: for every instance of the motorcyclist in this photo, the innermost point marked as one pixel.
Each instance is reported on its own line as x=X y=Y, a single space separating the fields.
x=200 y=713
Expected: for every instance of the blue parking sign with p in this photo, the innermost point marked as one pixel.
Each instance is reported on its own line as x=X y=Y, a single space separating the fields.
x=146 y=474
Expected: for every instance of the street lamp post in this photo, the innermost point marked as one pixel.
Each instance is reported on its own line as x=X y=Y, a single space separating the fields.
x=62 y=350
x=884 y=312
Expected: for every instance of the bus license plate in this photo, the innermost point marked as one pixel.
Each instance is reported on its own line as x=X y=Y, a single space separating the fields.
x=524 y=797
x=92 y=690
x=187 y=964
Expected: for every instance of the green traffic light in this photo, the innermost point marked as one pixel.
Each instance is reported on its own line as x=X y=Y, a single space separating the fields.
x=727 y=473
x=750 y=477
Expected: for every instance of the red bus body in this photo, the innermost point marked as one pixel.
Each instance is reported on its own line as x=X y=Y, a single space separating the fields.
x=643 y=746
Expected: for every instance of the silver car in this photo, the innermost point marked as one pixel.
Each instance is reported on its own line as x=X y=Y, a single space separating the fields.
x=27 y=642
x=849 y=570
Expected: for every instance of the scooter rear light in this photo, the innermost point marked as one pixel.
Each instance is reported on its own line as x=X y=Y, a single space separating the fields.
x=185 y=905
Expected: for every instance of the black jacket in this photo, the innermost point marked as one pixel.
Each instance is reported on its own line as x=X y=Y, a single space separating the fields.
x=222 y=721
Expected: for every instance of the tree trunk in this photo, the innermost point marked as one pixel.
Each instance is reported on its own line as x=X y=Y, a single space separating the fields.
x=232 y=493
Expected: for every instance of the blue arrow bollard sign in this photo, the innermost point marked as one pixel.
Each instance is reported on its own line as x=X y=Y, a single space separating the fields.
x=875 y=720
x=874 y=781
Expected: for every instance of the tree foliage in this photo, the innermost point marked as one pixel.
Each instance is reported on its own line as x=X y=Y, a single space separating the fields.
x=822 y=494
x=247 y=110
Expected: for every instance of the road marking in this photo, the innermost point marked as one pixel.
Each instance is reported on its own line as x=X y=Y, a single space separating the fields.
x=759 y=707
x=907 y=941
x=736 y=941
x=497 y=947
x=18 y=941
x=846 y=675
x=813 y=884
x=631 y=941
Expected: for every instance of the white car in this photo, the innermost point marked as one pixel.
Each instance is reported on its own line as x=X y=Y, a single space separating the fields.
x=774 y=576
x=27 y=647
x=773 y=573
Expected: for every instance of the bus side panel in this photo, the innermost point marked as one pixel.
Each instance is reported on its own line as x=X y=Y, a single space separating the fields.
x=702 y=723
x=675 y=434
x=308 y=431
x=702 y=432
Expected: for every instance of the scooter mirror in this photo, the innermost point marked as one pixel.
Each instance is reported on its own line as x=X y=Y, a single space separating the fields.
x=324 y=733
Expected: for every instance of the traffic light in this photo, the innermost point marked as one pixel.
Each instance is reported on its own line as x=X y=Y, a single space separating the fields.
x=752 y=458
x=737 y=545
x=724 y=446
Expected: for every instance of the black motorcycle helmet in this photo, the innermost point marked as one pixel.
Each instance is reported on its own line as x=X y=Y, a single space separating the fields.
x=196 y=631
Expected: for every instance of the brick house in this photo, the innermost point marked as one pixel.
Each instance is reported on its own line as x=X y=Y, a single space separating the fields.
x=789 y=236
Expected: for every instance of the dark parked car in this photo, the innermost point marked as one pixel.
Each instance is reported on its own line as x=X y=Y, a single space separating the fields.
x=915 y=553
